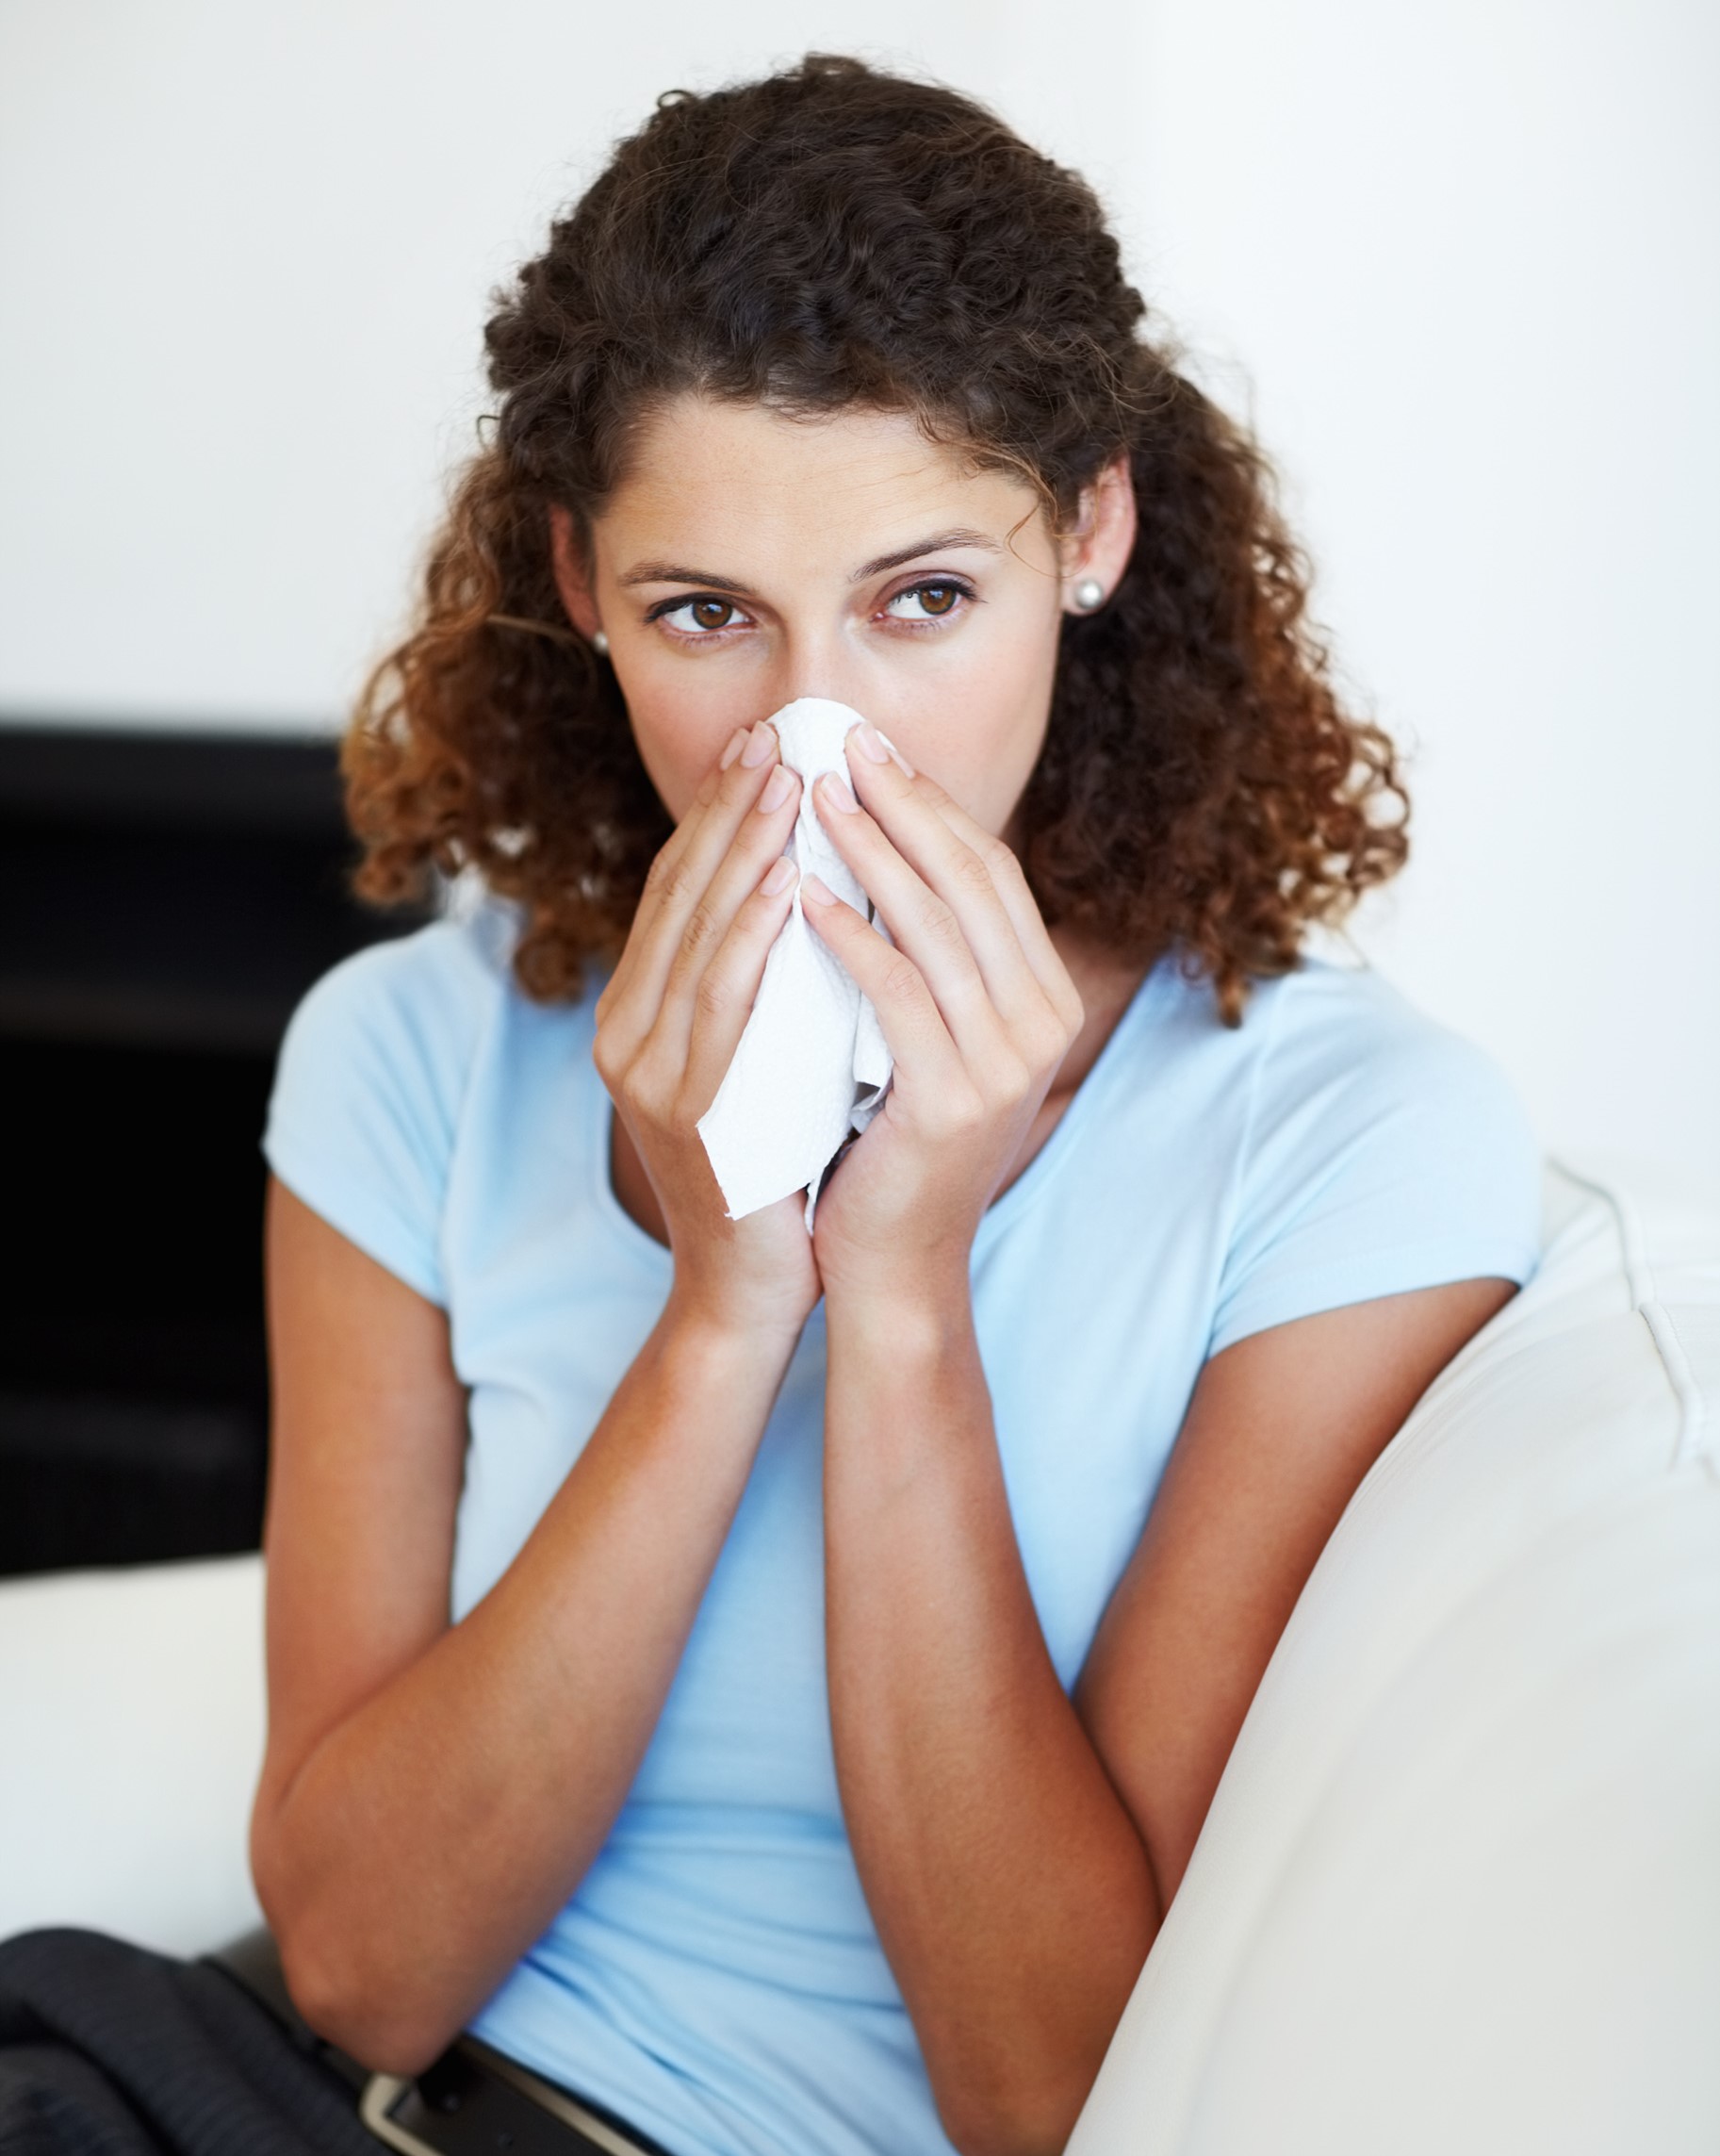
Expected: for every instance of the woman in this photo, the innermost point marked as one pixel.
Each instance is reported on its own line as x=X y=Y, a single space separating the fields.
x=771 y=1685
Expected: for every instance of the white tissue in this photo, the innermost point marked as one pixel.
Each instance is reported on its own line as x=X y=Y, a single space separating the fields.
x=813 y=1066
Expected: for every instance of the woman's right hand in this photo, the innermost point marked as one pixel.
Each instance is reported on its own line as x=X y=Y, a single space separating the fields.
x=670 y=1018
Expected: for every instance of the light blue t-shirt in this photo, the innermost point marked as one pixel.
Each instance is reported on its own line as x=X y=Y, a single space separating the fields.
x=718 y=1979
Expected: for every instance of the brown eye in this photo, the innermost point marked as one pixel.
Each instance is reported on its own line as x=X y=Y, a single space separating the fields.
x=711 y=613
x=929 y=601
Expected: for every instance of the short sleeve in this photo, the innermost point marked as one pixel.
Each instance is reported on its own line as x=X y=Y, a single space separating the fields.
x=365 y=1103
x=1386 y=1153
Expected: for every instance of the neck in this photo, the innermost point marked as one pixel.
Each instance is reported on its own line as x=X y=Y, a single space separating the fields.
x=1105 y=983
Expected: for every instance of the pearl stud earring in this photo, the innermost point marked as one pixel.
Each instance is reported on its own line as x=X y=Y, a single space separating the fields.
x=599 y=644
x=1088 y=593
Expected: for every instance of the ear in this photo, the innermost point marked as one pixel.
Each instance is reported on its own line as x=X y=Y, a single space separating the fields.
x=1099 y=548
x=573 y=577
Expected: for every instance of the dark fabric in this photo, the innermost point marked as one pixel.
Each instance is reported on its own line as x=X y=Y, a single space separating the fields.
x=108 y=2049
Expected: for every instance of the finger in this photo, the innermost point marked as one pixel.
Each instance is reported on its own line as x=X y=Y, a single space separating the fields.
x=930 y=1066
x=663 y=864
x=1009 y=880
x=932 y=1078
x=762 y=838
x=679 y=878
x=963 y=870
x=926 y=927
x=727 y=774
x=729 y=985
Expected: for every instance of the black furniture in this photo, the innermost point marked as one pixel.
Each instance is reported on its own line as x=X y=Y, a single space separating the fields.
x=165 y=899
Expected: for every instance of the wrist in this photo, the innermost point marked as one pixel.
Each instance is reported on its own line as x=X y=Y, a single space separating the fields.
x=905 y=1392
x=918 y=1312
x=725 y=1339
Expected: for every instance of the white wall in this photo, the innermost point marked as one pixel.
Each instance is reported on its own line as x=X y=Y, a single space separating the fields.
x=245 y=254
x=1469 y=255
x=1460 y=261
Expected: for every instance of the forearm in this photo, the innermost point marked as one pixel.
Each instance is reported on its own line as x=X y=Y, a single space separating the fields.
x=431 y=1836
x=1012 y=1890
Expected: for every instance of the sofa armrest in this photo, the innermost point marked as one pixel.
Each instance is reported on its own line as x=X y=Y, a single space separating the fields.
x=132 y=1703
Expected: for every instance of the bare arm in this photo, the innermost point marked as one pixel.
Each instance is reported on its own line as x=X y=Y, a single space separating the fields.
x=433 y=1792
x=1281 y=1430
x=1010 y=1887
x=1019 y=1851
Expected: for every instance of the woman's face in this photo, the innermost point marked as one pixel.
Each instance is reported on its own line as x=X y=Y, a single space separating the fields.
x=748 y=559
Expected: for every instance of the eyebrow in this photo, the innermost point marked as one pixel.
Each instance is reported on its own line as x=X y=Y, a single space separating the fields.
x=935 y=545
x=674 y=572
x=671 y=572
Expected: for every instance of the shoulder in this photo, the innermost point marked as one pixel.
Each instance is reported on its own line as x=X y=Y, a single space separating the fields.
x=374 y=1067
x=1322 y=1053
x=433 y=985
x=1335 y=1037
x=1383 y=1151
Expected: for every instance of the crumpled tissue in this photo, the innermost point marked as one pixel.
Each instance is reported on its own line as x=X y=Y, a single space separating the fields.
x=813 y=1066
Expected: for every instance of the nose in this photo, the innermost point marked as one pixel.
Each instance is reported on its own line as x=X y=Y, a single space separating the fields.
x=814 y=662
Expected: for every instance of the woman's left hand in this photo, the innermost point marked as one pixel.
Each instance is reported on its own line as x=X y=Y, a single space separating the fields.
x=976 y=1006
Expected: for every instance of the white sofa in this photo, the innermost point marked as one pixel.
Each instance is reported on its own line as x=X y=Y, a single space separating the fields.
x=1458 y=1890
x=131 y=1717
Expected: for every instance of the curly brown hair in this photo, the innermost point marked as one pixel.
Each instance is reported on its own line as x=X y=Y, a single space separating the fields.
x=837 y=237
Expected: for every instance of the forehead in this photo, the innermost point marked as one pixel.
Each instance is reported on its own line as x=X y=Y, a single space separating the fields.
x=741 y=486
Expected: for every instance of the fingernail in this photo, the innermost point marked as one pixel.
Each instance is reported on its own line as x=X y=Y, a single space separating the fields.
x=781 y=875
x=737 y=741
x=898 y=755
x=838 y=795
x=817 y=890
x=777 y=788
x=871 y=743
x=759 y=744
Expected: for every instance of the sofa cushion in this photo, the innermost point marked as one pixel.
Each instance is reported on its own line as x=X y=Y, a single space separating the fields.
x=132 y=1706
x=1459 y=1885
